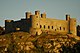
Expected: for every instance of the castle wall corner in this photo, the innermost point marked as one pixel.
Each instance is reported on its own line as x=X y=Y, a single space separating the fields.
x=73 y=26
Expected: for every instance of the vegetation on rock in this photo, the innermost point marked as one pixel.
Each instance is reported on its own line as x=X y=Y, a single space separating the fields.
x=1 y=30
x=23 y=42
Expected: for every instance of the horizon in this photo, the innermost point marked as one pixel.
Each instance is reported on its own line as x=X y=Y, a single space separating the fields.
x=15 y=10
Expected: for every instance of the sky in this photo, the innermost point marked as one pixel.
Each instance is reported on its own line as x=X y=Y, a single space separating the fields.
x=15 y=9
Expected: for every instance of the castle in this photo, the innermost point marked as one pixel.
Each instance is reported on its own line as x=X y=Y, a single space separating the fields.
x=38 y=23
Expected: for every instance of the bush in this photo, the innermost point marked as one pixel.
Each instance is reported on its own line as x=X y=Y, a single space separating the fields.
x=1 y=30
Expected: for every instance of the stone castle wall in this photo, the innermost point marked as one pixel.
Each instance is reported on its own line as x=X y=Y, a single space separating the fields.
x=53 y=25
x=38 y=23
x=20 y=25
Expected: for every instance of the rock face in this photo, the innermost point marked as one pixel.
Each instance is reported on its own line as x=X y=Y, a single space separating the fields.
x=19 y=42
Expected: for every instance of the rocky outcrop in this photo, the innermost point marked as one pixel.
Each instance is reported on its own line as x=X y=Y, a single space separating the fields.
x=19 y=42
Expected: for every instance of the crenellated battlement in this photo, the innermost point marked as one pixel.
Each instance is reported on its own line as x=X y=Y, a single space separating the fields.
x=8 y=20
x=37 y=14
x=28 y=15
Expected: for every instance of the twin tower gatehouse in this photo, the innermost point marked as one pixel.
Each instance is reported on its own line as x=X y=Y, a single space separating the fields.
x=39 y=23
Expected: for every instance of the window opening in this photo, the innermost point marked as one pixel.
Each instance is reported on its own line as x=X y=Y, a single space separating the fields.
x=48 y=27
x=44 y=26
x=52 y=27
x=40 y=26
x=60 y=28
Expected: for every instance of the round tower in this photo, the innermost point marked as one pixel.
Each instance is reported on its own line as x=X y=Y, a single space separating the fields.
x=35 y=21
x=35 y=25
x=33 y=18
x=68 y=19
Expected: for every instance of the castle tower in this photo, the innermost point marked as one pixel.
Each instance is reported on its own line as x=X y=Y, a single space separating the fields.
x=33 y=21
x=73 y=26
x=8 y=26
x=35 y=29
x=37 y=13
x=43 y=15
x=68 y=19
x=28 y=15
x=35 y=25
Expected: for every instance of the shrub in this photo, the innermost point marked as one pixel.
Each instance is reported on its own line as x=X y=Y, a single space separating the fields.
x=1 y=30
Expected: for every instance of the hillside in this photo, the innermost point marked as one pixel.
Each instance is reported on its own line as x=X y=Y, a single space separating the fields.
x=23 y=42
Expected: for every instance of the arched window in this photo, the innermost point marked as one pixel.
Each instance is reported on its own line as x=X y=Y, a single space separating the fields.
x=48 y=27
x=52 y=27
x=55 y=29
x=37 y=23
x=44 y=26
x=60 y=28
x=63 y=28
x=40 y=26
x=36 y=33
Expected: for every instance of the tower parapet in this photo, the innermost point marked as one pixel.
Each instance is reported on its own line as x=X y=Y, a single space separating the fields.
x=43 y=15
x=37 y=12
x=67 y=17
x=8 y=20
x=28 y=15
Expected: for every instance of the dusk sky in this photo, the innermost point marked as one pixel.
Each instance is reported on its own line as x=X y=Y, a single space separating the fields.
x=15 y=9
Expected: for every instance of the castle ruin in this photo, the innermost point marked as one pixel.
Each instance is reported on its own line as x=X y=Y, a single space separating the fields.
x=38 y=23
